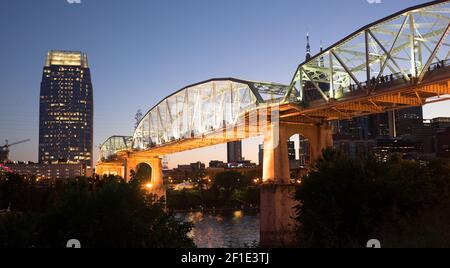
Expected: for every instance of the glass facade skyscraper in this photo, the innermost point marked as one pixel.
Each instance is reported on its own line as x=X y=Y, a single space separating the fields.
x=66 y=109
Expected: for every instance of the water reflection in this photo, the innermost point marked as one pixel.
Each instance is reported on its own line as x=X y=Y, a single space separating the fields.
x=232 y=229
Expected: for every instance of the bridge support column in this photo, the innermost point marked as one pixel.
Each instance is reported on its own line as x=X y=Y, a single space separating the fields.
x=155 y=163
x=277 y=205
x=278 y=226
x=157 y=177
x=320 y=137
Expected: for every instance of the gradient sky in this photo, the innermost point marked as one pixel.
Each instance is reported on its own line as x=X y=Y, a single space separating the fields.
x=142 y=50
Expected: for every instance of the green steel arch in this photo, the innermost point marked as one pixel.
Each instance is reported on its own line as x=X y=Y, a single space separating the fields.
x=403 y=46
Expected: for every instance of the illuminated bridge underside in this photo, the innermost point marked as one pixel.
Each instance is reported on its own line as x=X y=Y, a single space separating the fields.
x=398 y=62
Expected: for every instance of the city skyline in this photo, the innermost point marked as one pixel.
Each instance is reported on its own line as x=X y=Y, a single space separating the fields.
x=128 y=73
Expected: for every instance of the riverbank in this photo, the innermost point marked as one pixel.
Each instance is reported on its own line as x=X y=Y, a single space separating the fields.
x=216 y=210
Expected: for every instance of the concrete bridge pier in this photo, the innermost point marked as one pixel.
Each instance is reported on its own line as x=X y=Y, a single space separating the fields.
x=155 y=163
x=278 y=225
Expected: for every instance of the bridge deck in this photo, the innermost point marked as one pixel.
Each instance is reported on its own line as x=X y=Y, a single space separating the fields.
x=360 y=103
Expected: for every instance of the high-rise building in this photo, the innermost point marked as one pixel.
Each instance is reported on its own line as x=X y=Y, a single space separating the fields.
x=407 y=120
x=234 y=152
x=66 y=110
x=304 y=151
x=291 y=150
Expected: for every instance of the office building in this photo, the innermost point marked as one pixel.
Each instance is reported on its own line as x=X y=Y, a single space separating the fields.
x=47 y=171
x=234 y=152
x=66 y=110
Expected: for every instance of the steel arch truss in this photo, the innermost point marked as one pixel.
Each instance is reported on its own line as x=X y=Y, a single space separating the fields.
x=402 y=48
x=114 y=144
x=202 y=109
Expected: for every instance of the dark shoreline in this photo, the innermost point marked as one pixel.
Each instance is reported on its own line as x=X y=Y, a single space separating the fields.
x=214 y=210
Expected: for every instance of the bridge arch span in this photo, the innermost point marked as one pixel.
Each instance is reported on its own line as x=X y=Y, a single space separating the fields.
x=203 y=108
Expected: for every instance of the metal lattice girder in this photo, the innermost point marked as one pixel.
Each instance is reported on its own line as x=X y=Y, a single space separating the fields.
x=332 y=113
x=401 y=46
x=440 y=89
x=397 y=99
x=113 y=144
x=204 y=108
x=361 y=107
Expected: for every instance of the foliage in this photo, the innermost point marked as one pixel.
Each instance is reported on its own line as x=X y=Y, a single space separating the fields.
x=101 y=214
x=345 y=202
x=229 y=189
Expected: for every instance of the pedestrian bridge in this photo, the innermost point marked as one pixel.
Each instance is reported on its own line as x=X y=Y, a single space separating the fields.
x=397 y=62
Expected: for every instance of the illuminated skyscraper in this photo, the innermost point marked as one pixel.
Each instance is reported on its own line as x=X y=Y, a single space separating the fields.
x=66 y=109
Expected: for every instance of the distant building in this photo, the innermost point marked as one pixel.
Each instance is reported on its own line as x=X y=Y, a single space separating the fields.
x=261 y=154
x=234 y=152
x=291 y=150
x=418 y=141
x=407 y=120
x=48 y=171
x=355 y=148
x=304 y=151
x=66 y=110
x=408 y=149
x=217 y=164
x=197 y=166
x=241 y=164
x=184 y=172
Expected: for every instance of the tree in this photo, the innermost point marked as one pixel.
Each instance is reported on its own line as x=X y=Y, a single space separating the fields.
x=106 y=214
x=198 y=177
x=228 y=182
x=345 y=202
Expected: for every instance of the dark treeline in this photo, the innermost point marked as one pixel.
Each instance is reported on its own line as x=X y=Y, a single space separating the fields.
x=229 y=189
x=107 y=213
x=344 y=203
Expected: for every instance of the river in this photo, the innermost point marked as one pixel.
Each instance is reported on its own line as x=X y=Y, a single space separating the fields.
x=230 y=229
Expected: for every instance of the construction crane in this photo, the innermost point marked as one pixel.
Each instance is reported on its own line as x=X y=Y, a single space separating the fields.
x=4 y=150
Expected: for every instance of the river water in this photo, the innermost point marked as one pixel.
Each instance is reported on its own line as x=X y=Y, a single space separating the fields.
x=230 y=229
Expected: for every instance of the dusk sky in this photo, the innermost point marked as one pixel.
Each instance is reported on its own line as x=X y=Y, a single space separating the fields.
x=140 y=51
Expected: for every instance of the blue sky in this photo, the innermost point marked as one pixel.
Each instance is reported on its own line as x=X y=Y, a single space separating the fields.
x=142 y=50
